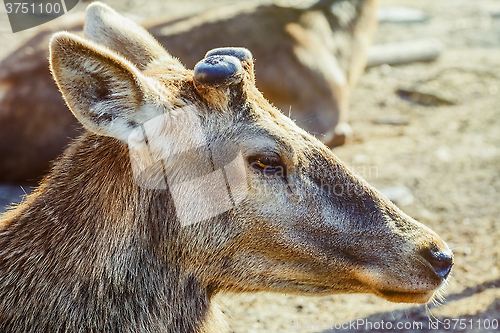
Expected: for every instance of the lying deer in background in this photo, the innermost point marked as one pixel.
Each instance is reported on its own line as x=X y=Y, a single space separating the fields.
x=307 y=60
x=104 y=245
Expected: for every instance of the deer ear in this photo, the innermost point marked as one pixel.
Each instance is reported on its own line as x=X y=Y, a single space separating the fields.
x=103 y=90
x=105 y=26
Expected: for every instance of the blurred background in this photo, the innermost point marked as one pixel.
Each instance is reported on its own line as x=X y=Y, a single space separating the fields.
x=426 y=133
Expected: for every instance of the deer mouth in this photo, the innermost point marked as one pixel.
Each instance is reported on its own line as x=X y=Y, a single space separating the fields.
x=406 y=297
x=396 y=291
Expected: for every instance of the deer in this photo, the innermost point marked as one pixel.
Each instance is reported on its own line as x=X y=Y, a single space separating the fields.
x=114 y=239
x=334 y=33
x=288 y=44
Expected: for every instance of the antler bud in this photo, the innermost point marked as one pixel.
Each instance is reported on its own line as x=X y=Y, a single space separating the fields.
x=221 y=73
x=218 y=70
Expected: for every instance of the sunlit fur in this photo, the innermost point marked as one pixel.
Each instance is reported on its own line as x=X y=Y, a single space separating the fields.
x=91 y=251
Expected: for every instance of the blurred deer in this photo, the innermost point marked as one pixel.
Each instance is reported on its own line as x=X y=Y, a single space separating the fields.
x=109 y=242
x=307 y=59
x=307 y=62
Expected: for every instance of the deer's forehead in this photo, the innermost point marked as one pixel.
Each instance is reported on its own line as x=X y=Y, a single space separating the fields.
x=262 y=120
x=284 y=129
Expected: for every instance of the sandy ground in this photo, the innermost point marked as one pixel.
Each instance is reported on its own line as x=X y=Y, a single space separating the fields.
x=446 y=158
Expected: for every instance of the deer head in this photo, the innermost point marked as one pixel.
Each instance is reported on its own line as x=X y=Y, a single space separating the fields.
x=251 y=201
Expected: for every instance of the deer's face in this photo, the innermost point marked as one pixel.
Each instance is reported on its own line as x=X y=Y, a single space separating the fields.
x=309 y=224
x=267 y=205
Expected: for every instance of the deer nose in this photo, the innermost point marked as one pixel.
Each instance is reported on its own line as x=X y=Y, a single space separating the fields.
x=441 y=261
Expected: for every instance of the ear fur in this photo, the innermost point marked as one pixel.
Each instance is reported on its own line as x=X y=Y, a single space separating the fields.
x=103 y=90
x=105 y=26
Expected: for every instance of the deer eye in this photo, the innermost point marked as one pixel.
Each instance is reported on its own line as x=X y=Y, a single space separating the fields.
x=268 y=165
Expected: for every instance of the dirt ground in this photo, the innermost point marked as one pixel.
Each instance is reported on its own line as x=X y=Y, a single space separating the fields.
x=446 y=158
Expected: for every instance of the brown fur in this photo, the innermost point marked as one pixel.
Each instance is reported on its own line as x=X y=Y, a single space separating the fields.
x=308 y=60
x=91 y=251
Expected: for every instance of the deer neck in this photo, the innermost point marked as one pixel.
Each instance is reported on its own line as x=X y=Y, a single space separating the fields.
x=82 y=260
